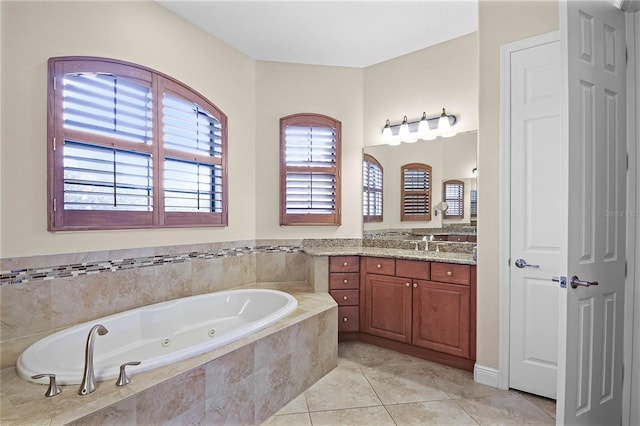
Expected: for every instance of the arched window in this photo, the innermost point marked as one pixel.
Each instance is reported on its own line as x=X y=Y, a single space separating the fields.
x=453 y=194
x=132 y=148
x=372 y=180
x=310 y=146
x=415 y=192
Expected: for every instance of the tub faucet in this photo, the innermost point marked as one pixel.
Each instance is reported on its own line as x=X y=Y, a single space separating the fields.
x=89 y=378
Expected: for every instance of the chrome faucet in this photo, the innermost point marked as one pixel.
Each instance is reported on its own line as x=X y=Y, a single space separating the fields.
x=89 y=378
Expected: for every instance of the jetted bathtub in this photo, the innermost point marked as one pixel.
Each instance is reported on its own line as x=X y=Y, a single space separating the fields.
x=156 y=335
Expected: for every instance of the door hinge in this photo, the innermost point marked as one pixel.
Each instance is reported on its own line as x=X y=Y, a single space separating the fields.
x=55 y=205
x=509 y=261
x=54 y=143
x=626 y=55
x=625 y=269
x=54 y=83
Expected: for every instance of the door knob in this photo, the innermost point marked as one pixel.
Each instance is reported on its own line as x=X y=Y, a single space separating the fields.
x=521 y=263
x=577 y=282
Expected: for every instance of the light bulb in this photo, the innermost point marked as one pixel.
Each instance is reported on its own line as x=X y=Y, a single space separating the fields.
x=443 y=123
x=424 y=131
x=403 y=133
x=386 y=133
x=444 y=126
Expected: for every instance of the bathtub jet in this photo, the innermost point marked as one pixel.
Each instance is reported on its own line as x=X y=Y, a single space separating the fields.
x=156 y=335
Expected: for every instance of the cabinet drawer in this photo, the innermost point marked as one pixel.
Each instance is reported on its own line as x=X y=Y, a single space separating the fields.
x=380 y=266
x=412 y=269
x=472 y=238
x=347 y=281
x=440 y=238
x=457 y=238
x=346 y=297
x=450 y=273
x=344 y=264
x=348 y=318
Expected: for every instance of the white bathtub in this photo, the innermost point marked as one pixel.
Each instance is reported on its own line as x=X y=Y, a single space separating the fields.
x=156 y=335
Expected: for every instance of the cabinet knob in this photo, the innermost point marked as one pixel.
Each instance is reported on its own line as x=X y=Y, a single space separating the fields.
x=345 y=264
x=415 y=285
x=407 y=284
x=345 y=281
x=449 y=273
x=344 y=297
x=345 y=319
x=379 y=266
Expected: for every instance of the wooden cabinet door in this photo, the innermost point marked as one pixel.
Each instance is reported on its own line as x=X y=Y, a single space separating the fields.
x=387 y=307
x=441 y=317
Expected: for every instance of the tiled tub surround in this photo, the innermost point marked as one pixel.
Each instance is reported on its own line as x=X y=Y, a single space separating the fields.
x=37 y=307
x=244 y=382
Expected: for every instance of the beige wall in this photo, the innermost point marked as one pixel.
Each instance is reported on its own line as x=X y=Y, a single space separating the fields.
x=500 y=22
x=449 y=158
x=440 y=76
x=284 y=89
x=140 y=32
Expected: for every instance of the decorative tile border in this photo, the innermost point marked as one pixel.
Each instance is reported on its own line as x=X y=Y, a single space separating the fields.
x=20 y=276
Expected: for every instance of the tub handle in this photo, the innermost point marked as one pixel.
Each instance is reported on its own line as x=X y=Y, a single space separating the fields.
x=123 y=379
x=53 y=389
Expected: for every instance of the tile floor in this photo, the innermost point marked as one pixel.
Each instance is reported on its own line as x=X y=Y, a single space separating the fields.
x=376 y=386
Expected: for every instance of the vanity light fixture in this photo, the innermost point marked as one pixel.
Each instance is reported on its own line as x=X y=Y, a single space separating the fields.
x=427 y=128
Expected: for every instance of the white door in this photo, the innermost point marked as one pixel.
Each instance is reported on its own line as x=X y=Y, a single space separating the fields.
x=593 y=204
x=535 y=163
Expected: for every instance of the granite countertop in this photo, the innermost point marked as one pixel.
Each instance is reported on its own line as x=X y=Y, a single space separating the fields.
x=431 y=256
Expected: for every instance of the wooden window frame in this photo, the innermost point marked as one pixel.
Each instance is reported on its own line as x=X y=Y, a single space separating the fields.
x=445 y=214
x=368 y=218
x=311 y=120
x=403 y=194
x=60 y=219
x=473 y=204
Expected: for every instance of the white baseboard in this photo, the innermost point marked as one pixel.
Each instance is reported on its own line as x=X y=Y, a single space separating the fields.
x=486 y=376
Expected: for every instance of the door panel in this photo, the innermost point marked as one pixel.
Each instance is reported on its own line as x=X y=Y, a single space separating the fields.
x=590 y=318
x=387 y=307
x=441 y=317
x=535 y=221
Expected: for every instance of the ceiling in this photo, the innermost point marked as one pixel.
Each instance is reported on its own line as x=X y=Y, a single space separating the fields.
x=338 y=33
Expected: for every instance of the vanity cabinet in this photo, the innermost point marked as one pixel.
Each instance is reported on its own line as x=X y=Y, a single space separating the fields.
x=425 y=309
x=344 y=287
x=421 y=308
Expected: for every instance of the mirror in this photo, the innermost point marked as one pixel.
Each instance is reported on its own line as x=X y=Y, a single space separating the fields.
x=451 y=159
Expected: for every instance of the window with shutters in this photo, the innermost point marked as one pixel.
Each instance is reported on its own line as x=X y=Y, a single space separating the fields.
x=131 y=148
x=454 y=197
x=371 y=189
x=473 y=195
x=309 y=170
x=415 y=192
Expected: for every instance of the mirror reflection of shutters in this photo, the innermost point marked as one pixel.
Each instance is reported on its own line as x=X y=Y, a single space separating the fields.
x=371 y=189
x=454 y=197
x=416 y=192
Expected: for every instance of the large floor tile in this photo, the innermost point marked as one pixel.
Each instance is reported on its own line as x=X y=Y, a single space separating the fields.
x=341 y=388
x=300 y=419
x=507 y=409
x=370 y=416
x=459 y=383
x=430 y=413
x=298 y=405
x=372 y=356
x=545 y=404
x=403 y=383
